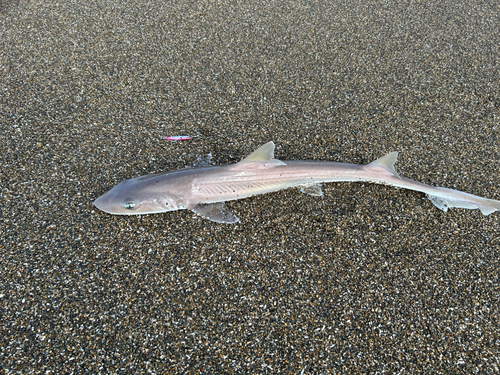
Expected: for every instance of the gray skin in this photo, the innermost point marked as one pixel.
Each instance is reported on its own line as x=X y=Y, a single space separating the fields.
x=204 y=190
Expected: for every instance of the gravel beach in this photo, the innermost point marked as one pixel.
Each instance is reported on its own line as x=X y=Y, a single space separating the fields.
x=365 y=279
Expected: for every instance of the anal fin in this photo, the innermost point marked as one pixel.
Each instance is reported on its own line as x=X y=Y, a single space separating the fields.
x=217 y=212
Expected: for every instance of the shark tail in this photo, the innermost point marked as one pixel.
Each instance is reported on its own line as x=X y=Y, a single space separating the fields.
x=442 y=198
x=485 y=205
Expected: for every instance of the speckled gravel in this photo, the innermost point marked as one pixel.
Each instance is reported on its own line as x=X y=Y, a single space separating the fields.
x=366 y=279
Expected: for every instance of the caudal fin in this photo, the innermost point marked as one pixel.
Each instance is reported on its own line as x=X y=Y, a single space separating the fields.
x=487 y=206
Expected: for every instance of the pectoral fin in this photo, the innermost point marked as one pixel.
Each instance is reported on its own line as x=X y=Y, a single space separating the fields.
x=217 y=212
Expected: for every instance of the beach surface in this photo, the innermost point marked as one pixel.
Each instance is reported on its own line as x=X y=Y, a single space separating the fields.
x=365 y=279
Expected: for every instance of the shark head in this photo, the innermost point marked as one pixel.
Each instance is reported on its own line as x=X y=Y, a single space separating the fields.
x=137 y=197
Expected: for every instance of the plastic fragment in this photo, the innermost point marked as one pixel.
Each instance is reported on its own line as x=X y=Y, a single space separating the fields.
x=178 y=138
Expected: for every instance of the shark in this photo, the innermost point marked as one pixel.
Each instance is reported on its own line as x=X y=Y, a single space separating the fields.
x=205 y=189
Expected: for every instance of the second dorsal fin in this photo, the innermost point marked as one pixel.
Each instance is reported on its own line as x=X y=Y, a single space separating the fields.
x=387 y=161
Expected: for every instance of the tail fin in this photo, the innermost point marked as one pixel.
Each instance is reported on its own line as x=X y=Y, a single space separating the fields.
x=487 y=206
x=442 y=198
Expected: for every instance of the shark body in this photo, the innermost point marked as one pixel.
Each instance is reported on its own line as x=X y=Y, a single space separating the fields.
x=204 y=190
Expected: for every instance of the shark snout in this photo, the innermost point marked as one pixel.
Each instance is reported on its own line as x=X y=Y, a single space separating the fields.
x=103 y=203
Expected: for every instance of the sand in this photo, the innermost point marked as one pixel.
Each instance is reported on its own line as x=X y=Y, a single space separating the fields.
x=366 y=279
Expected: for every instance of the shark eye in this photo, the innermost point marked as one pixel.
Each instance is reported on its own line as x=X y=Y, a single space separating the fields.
x=129 y=205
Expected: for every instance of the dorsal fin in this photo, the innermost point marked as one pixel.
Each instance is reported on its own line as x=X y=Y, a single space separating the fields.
x=387 y=161
x=264 y=153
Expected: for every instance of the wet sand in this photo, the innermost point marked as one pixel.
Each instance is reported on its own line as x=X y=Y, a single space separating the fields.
x=366 y=279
